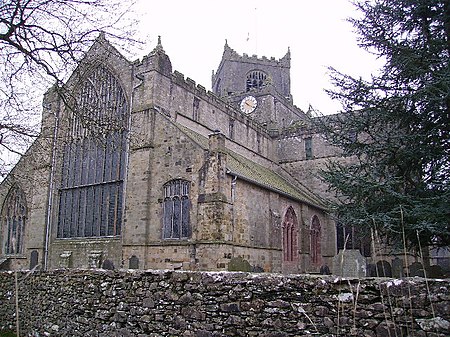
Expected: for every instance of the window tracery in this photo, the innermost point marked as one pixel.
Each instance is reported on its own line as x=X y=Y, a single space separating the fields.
x=14 y=217
x=176 y=206
x=93 y=160
x=256 y=79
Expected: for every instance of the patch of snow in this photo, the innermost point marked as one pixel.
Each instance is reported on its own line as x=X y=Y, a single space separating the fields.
x=345 y=297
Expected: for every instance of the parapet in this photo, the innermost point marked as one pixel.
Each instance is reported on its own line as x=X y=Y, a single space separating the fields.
x=231 y=55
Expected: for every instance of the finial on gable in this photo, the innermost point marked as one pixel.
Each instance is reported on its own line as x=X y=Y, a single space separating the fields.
x=286 y=59
x=158 y=59
x=159 y=46
x=226 y=47
x=227 y=51
x=101 y=36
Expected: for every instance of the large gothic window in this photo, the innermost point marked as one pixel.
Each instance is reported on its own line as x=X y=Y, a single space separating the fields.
x=93 y=161
x=256 y=80
x=176 y=223
x=316 y=241
x=14 y=215
x=290 y=240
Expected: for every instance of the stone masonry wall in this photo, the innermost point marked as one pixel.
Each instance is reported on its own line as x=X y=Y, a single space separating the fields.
x=215 y=304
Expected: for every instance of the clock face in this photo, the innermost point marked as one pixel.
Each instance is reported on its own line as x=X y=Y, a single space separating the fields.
x=248 y=104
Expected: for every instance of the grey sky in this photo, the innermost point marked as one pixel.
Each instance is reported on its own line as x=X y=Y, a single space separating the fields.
x=193 y=35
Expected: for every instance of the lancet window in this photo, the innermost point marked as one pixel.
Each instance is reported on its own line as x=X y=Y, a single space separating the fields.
x=315 y=240
x=14 y=217
x=290 y=240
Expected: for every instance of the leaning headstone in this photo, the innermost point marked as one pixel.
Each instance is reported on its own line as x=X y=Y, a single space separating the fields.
x=349 y=263
x=397 y=268
x=416 y=269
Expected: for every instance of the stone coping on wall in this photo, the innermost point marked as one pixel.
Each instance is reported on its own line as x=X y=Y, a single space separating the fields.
x=80 y=302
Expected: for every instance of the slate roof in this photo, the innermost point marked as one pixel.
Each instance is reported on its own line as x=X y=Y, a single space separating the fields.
x=257 y=174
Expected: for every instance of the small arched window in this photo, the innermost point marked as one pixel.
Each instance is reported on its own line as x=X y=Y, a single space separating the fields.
x=315 y=240
x=176 y=222
x=256 y=79
x=14 y=215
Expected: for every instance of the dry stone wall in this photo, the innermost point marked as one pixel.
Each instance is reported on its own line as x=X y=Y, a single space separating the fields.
x=216 y=304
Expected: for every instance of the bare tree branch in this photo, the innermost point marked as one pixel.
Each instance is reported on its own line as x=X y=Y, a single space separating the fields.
x=41 y=42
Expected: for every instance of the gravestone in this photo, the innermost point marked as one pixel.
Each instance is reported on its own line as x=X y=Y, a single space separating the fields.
x=371 y=270
x=133 y=263
x=397 y=268
x=384 y=269
x=349 y=263
x=435 y=271
x=94 y=259
x=108 y=264
x=325 y=270
x=257 y=269
x=65 y=259
x=416 y=269
x=239 y=264
x=34 y=259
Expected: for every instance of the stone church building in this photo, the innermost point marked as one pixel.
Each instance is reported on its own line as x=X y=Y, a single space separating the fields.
x=136 y=166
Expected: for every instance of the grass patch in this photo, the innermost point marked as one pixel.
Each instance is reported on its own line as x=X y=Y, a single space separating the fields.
x=7 y=334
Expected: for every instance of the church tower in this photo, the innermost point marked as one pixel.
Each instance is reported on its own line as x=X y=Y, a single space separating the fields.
x=258 y=87
x=238 y=74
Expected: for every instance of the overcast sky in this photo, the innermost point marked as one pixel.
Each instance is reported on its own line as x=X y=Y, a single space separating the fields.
x=193 y=34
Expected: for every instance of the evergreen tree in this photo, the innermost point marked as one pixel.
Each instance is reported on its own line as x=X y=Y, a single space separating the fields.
x=395 y=127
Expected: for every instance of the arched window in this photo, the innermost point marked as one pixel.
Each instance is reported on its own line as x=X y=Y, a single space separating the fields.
x=176 y=222
x=14 y=215
x=93 y=161
x=290 y=240
x=315 y=240
x=256 y=79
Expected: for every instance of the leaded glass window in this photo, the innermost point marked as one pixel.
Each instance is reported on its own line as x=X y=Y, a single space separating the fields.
x=176 y=206
x=14 y=216
x=93 y=160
